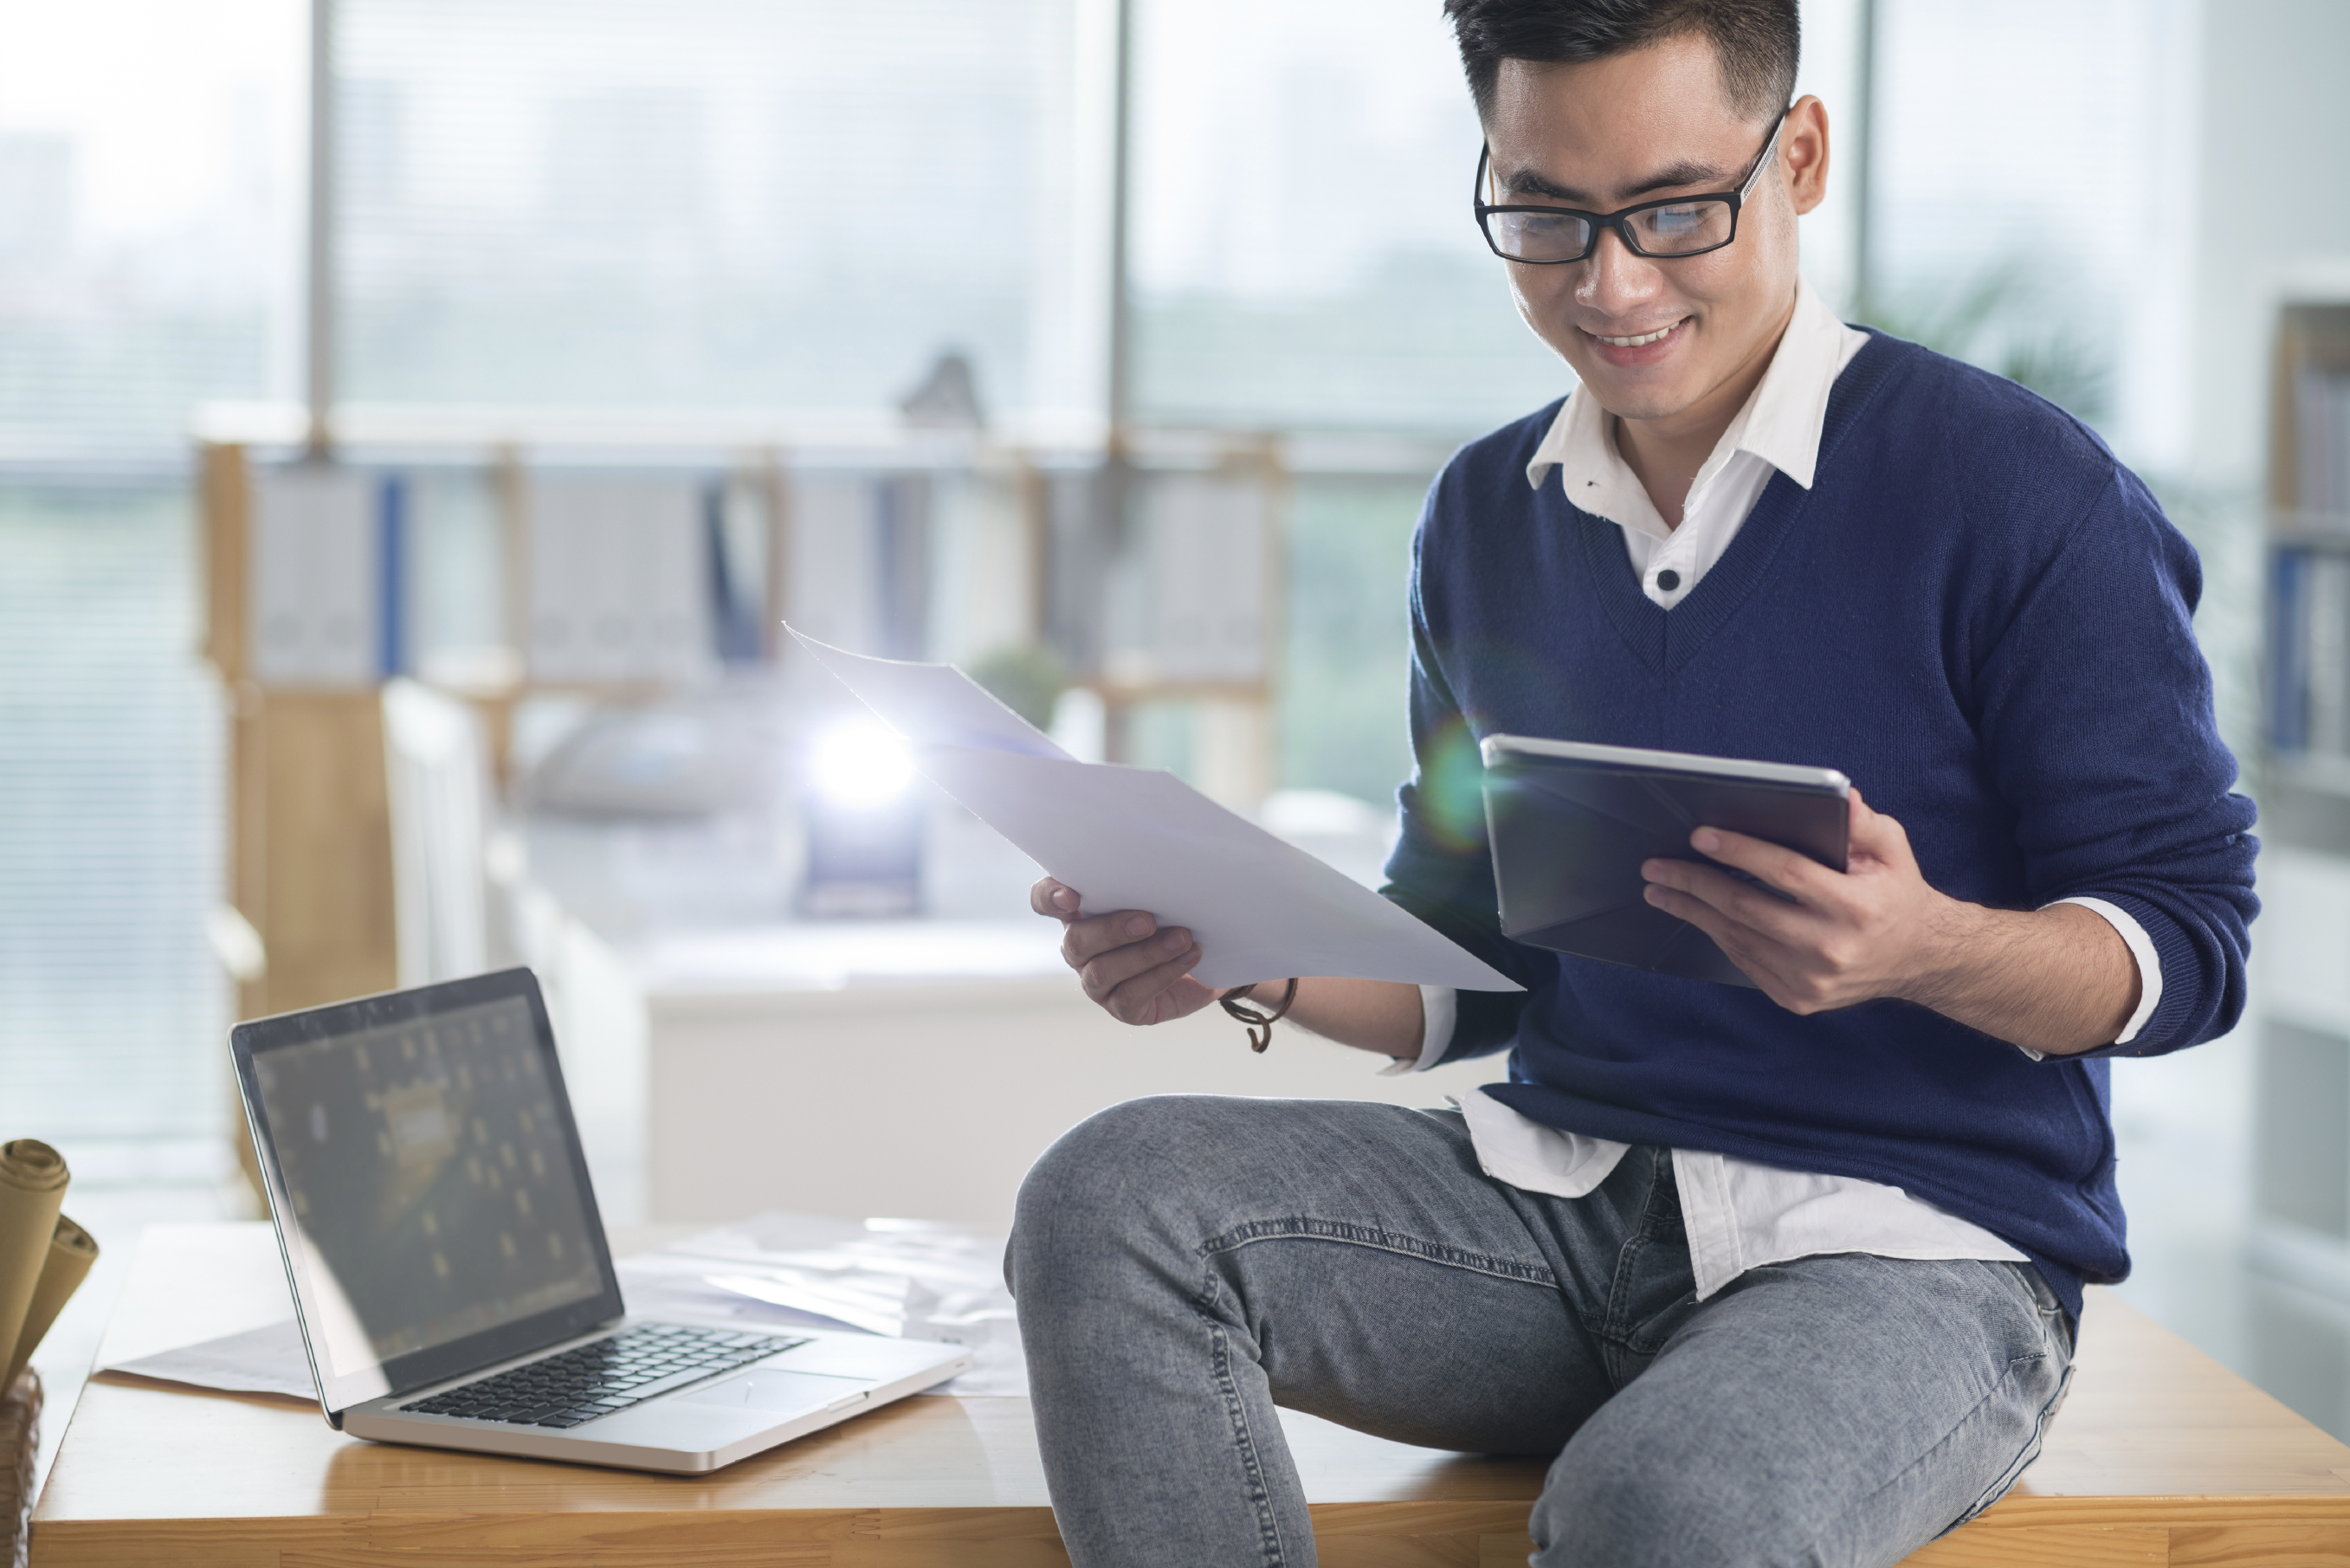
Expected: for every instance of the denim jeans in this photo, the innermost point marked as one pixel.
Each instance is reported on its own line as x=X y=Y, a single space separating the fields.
x=1184 y=1264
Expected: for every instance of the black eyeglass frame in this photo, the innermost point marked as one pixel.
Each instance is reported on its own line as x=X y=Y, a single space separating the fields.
x=1619 y=219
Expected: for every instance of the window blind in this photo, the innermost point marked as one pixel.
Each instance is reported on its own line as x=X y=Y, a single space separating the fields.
x=113 y=1013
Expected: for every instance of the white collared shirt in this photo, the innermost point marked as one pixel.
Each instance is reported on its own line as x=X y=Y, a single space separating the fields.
x=1739 y=1214
x=1778 y=429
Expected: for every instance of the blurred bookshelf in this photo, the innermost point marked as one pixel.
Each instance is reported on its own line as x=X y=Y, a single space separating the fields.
x=2300 y=1245
x=504 y=561
x=2309 y=553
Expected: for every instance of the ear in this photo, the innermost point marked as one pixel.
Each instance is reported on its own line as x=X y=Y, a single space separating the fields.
x=1804 y=152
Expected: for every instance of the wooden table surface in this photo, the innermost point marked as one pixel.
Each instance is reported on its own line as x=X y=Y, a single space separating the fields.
x=2160 y=1456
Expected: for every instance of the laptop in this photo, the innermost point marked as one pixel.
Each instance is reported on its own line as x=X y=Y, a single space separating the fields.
x=449 y=1269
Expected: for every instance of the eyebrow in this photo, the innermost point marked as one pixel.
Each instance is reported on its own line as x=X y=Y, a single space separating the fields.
x=1526 y=182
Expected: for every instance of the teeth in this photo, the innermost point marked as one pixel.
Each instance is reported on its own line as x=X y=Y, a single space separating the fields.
x=1635 y=342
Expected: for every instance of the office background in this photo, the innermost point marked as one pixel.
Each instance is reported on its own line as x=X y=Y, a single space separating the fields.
x=723 y=225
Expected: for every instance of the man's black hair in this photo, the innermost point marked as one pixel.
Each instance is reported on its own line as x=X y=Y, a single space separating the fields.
x=1755 y=42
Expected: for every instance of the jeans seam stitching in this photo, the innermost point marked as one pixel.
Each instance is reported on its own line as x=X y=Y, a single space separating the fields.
x=2031 y=1445
x=2007 y=1477
x=1618 y=1330
x=1376 y=1240
x=1268 y=1522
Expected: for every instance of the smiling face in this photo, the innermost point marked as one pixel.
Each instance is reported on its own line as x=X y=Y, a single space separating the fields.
x=1668 y=342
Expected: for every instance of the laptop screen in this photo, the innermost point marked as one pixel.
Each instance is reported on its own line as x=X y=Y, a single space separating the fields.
x=427 y=1182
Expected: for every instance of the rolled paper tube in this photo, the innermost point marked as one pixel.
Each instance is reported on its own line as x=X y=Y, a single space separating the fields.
x=72 y=1250
x=33 y=1177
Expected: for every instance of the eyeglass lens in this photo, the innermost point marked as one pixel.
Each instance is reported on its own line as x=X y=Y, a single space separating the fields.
x=1682 y=228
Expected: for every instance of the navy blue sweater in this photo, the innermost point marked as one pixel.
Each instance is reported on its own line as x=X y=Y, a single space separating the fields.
x=1980 y=617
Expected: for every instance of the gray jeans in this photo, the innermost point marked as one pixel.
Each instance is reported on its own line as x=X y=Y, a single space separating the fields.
x=1184 y=1264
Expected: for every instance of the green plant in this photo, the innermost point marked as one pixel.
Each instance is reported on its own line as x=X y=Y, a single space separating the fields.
x=1027 y=678
x=1993 y=320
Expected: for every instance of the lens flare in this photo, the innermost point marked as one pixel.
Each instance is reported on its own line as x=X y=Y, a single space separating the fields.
x=862 y=764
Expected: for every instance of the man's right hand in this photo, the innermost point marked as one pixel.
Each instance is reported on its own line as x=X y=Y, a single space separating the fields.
x=1139 y=973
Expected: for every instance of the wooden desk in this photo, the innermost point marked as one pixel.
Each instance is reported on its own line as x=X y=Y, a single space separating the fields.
x=2161 y=1456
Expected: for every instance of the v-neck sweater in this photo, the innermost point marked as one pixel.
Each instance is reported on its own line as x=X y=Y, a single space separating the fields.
x=1980 y=617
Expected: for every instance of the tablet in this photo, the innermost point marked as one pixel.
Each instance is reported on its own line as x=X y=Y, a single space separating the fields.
x=1571 y=822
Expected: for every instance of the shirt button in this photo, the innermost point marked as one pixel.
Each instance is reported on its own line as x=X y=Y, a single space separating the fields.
x=1668 y=580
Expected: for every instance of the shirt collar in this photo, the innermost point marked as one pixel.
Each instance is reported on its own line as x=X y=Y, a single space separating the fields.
x=1781 y=423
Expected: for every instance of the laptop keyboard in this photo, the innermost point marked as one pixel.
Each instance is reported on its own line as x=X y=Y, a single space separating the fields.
x=604 y=1375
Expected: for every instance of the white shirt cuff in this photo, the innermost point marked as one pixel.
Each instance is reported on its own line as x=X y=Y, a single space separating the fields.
x=1437 y=1008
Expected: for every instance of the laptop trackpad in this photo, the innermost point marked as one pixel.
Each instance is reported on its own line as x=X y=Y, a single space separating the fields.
x=780 y=1393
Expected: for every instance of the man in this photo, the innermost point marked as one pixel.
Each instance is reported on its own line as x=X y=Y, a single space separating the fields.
x=1785 y=1275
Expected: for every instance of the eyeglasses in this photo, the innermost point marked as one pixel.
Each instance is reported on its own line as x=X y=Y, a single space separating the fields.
x=1678 y=226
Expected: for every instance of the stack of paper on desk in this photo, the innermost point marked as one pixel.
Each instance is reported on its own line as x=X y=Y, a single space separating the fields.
x=909 y=1278
x=1136 y=839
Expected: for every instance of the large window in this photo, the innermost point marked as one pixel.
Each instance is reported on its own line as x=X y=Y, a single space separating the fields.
x=112 y=1010
x=778 y=203
x=1302 y=252
x=149 y=184
x=2034 y=167
x=150 y=177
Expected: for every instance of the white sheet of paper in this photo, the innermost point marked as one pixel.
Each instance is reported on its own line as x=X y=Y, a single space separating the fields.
x=1136 y=838
x=932 y=704
x=266 y=1360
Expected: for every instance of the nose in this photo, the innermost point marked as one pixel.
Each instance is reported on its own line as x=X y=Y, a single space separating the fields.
x=1615 y=282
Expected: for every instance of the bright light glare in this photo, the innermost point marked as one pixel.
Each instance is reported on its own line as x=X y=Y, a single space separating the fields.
x=862 y=764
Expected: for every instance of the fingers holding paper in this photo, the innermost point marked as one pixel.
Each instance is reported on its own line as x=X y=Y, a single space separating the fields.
x=1138 y=972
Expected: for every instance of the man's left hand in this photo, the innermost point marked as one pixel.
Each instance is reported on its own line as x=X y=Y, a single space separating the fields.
x=1875 y=928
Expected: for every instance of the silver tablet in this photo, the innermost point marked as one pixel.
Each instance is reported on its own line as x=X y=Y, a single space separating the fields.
x=1570 y=822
